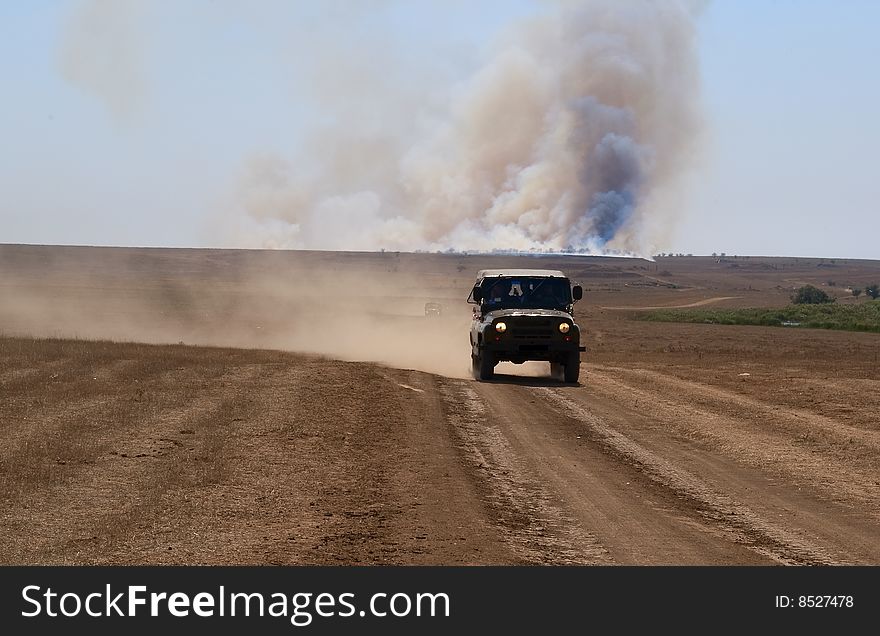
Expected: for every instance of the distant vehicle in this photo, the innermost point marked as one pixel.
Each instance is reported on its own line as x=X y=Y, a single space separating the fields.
x=525 y=314
x=433 y=309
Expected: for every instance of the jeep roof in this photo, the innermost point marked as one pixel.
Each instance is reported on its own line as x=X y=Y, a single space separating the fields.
x=491 y=273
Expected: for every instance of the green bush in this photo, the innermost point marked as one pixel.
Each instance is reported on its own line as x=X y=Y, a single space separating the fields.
x=809 y=295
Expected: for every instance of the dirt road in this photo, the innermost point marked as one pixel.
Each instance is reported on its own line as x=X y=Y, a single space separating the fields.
x=151 y=454
x=636 y=469
x=699 y=303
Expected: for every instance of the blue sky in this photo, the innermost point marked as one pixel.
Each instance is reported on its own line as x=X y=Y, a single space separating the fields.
x=790 y=98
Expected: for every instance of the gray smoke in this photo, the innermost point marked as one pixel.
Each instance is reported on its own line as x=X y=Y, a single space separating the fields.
x=561 y=140
x=570 y=134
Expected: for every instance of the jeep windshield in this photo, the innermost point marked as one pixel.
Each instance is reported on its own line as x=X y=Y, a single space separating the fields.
x=526 y=292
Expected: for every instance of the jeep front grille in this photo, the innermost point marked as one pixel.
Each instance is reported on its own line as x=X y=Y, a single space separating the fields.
x=531 y=333
x=533 y=348
x=531 y=329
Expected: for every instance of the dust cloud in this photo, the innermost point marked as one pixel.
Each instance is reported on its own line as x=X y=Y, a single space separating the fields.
x=367 y=307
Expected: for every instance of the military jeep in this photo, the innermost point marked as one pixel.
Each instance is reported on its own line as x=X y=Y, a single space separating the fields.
x=525 y=314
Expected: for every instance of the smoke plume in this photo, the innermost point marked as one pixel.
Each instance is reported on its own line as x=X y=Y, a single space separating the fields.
x=103 y=53
x=566 y=138
x=567 y=134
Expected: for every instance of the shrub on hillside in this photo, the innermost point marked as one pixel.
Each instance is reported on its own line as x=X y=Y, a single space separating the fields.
x=809 y=295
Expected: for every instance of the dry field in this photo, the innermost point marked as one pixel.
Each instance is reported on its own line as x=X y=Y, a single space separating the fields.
x=238 y=407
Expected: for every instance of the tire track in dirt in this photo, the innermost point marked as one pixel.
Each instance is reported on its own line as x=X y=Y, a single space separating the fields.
x=56 y=412
x=442 y=504
x=756 y=433
x=85 y=513
x=11 y=379
x=791 y=420
x=329 y=463
x=844 y=398
x=537 y=530
x=737 y=522
x=636 y=519
x=265 y=503
x=203 y=456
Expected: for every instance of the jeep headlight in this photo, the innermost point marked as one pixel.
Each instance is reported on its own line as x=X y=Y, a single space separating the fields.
x=564 y=327
x=500 y=327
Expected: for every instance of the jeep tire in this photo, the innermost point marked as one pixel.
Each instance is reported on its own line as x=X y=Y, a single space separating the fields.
x=572 y=367
x=483 y=367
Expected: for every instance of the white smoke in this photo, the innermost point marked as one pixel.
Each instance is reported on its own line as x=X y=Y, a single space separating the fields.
x=103 y=52
x=570 y=134
x=559 y=142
